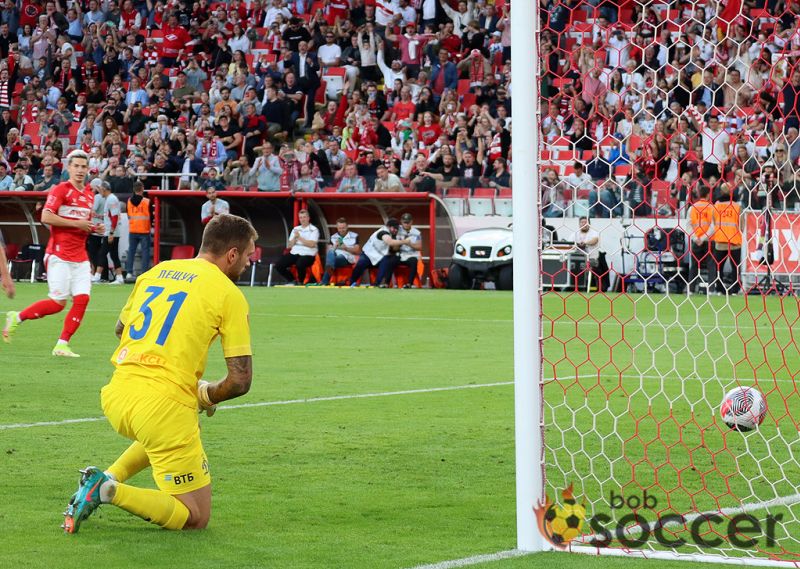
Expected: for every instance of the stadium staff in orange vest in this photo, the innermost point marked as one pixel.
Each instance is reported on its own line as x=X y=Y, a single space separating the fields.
x=726 y=240
x=139 y=228
x=701 y=218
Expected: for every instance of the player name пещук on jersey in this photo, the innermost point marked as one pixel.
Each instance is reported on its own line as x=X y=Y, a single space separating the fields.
x=177 y=275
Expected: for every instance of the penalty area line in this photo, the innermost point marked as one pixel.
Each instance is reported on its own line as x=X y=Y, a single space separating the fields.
x=11 y=426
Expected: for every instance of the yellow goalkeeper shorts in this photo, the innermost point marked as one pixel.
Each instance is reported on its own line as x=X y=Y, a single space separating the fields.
x=168 y=430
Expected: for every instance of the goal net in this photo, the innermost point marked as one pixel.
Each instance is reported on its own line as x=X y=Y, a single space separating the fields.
x=670 y=261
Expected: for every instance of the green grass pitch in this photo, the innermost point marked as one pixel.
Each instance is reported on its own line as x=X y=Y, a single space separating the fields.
x=386 y=481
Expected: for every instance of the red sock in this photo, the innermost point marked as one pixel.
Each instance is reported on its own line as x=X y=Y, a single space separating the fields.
x=41 y=309
x=74 y=316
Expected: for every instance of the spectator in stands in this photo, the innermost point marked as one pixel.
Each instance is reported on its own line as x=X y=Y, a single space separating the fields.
x=213 y=207
x=269 y=169
x=351 y=181
x=305 y=67
x=500 y=177
x=554 y=203
x=579 y=180
x=22 y=181
x=606 y=201
x=386 y=181
x=229 y=133
x=342 y=250
x=212 y=180
x=410 y=253
x=469 y=167
x=791 y=100
x=444 y=75
x=6 y=181
x=421 y=179
x=210 y=149
x=637 y=192
x=43 y=182
x=239 y=173
x=302 y=247
x=715 y=142
x=380 y=251
x=305 y=183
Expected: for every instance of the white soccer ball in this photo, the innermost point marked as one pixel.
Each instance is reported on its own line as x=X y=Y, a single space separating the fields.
x=743 y=408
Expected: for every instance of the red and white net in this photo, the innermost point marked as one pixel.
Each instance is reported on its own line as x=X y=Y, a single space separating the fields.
x=672 y=127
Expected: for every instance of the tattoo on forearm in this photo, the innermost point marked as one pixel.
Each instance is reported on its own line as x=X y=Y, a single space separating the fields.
x=236 y=383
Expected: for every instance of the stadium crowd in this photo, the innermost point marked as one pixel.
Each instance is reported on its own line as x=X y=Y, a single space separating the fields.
x=644 y=103
x=301 y=95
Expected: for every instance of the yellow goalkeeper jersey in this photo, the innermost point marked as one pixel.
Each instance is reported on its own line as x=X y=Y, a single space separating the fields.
x=175 y=312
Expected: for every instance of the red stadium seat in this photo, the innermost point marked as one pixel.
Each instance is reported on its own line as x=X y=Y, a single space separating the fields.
x=182 y=252
x=457 y=193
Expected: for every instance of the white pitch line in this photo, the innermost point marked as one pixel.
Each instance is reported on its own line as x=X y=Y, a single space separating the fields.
x=475 y=559
x=362 y=317
x=546 y=322
x=11 y=426
x=274 y=403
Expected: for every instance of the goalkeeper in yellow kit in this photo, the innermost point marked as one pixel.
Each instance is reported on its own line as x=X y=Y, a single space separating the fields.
x=174 y=313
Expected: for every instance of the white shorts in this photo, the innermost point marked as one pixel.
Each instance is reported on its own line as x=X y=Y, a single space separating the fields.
x=67 y=279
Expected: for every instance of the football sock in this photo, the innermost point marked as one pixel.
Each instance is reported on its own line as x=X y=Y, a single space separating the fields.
x=74 y=316
x=130 y=462
x=153 y=506
x=40 y=309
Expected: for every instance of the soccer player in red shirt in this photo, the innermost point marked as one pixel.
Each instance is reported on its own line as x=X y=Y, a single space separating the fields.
x=68 y=212
x=5 y=277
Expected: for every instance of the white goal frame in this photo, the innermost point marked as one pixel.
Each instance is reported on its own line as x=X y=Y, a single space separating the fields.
x=527 y=296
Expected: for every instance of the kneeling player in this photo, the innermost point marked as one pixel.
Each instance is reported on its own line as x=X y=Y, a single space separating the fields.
x=171 y=318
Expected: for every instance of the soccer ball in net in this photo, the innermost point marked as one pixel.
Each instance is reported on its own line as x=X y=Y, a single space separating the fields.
x=743 y=408
x=563 y=523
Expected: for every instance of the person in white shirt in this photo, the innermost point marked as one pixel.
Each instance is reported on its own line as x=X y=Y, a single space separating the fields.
x=380 y=251
x=410 y=254
x=302 y=250
x=342 y=250
x=716 y=142
x=620 y=46
x=330 y=54
x=273 y=11
x=462 y=17
x=579 y=179
x=110 y=246
x=587 y=240
x=386 y=181
x=213 y=207
x=385 y=11
x=408 y=13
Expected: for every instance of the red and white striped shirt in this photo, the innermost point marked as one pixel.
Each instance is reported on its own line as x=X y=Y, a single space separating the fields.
x=67 y=201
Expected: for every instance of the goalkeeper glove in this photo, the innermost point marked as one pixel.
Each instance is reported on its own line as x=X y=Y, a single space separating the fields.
x=204 y=400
